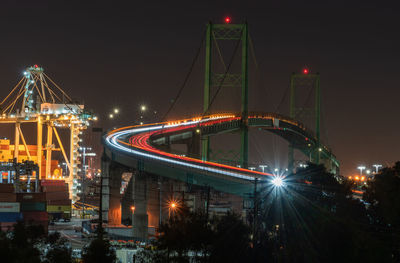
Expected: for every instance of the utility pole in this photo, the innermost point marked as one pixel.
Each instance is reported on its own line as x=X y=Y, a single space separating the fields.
x=208 y=201
x=83 y=181
x=255 y=209
x=84 y=154
x=160 y=198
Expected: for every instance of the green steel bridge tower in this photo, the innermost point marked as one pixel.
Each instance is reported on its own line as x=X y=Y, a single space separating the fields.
x=228 y=32
x=299 y=82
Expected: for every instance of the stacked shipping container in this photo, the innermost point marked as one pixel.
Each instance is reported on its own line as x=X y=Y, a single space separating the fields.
x=57 y=196
x=9 y=208
x=33 y=208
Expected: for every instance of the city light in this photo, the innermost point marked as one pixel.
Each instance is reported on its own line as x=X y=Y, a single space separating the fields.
x=173 y=205
x=361 y=168
x=263 y=167
x=116 y=111
x=143 y=108
x=305 y=71
x=277 y=181
x=111 y=116
x=227 y=19
x=377 y=166
x=133 y=208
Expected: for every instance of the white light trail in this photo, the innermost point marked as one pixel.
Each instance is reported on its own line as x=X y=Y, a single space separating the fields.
x=112 y=140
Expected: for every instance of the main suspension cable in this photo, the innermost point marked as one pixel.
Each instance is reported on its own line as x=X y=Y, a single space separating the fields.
x=186 y=79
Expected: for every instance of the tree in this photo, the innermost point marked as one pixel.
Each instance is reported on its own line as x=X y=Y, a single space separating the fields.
x=185 y=231
x=5 y=248
x=383 y=197
x=224 y=239
x=99 y=251
x=314 y=218
x=23 y=242
x=59 y=251
x=232 y=240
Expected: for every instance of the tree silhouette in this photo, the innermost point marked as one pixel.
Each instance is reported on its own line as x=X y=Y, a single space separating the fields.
x=383 y=197
x=99 y=251
x=59 y=251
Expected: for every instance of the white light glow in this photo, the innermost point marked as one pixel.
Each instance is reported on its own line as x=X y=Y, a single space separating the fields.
x=277 y=181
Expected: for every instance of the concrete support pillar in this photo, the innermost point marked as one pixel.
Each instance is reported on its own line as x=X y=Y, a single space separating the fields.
x=193 y=145
x=140 y=217
x=127 y=204
x=105 y=187
x=114 y=182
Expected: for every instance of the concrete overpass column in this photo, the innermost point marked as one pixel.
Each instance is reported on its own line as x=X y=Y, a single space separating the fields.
x=193 y=145
x=105 y=187
x=140 y=217
x=291 y=158
x=114 y=212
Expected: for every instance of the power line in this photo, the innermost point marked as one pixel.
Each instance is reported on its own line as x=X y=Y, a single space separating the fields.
x=185 y=81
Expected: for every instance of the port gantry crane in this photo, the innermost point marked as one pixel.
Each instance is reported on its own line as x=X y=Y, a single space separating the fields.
x=38 y=99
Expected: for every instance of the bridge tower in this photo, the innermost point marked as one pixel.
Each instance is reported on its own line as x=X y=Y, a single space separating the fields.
x=308 y=84
x=227 y=32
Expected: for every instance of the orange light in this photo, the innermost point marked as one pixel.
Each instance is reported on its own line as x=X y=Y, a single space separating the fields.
x=133 y=208
x=350 y=177
x=357 y=178
x=173 y=205
x=362 y=178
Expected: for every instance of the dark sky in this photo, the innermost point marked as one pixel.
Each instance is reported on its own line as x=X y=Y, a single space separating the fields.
x=127 y=53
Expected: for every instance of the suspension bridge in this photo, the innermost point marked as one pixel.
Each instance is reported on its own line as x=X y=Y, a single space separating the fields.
x=158 y=173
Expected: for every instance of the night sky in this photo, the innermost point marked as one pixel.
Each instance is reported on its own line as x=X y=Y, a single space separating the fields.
x=128 y=53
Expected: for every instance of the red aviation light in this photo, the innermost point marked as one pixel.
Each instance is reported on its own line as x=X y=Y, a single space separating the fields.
x=227 y=19
x=36 y=66
x=306 y=71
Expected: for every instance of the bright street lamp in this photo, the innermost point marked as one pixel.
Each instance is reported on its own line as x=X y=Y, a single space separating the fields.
x=143 y=108
x=116 y=111
x=361 y=168
x=277 y=181
x=263 y=167
x=377 y=166
x=172 y=207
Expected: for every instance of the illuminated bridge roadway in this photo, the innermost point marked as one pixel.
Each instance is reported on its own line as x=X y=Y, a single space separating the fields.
x=146 y=149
